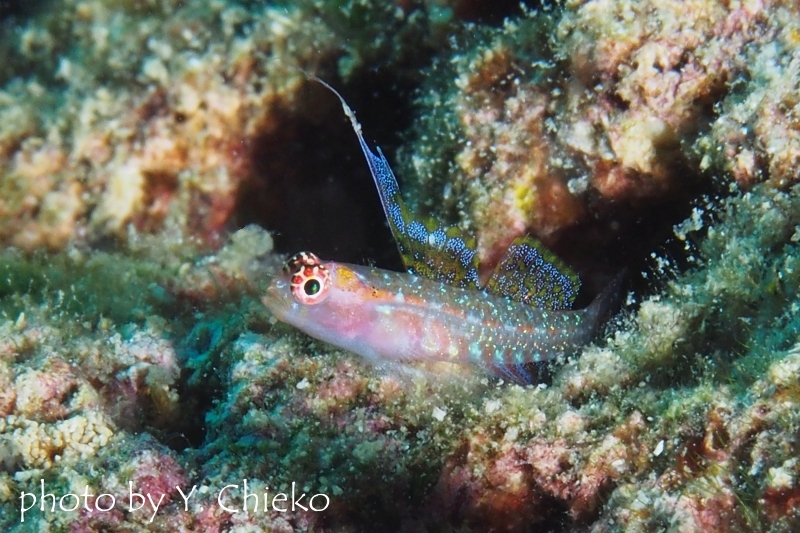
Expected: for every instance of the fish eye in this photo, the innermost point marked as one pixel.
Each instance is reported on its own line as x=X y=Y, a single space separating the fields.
x=311 y=287
x=309 y=277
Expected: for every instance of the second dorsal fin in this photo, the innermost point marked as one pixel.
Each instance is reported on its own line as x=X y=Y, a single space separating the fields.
x=531 y=274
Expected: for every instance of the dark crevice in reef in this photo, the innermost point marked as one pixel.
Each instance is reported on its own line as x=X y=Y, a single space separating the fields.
x=20 y=10
x=189 y=429
x=492 y=13
x=148 y=407
x=626 y=236
x=203 y=380
x=310 y=184
x=636 y=234
x=178 y=426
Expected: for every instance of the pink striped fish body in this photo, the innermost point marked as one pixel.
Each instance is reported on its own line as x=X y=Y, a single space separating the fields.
x=392 y=316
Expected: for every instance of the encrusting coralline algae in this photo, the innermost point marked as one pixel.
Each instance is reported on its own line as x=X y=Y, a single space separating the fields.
x=151 y=366
x=556 y=120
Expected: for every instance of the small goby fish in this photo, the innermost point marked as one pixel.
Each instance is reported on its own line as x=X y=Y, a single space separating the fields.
x=439 y=310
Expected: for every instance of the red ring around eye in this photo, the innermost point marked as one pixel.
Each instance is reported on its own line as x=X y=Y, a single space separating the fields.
x=310 y=279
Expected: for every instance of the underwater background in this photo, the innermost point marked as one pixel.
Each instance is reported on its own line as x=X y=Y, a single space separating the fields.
x=159 y=159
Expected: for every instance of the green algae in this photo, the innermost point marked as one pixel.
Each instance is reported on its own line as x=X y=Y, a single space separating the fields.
x=740 y=302
x=117 y=287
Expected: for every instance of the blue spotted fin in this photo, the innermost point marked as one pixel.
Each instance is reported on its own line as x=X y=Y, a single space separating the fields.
x=529 y=273
x=428 y=249
x=531 y=373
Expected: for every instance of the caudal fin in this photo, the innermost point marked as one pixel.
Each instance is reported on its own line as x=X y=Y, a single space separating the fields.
x=607 y=303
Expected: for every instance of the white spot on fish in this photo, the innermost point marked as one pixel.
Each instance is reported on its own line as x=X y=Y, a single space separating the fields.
x=453 y=351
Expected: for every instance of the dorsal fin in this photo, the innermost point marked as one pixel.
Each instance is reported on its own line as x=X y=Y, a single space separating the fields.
x=428 y=249
x=531 y=274
x=528 y=273
x=441 y=253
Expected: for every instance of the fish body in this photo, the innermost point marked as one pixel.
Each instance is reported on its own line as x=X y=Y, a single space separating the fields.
x=393 y=316
x=440 y=310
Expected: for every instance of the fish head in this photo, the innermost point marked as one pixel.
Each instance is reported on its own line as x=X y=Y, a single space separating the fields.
x=318 y=297
x=304 y=282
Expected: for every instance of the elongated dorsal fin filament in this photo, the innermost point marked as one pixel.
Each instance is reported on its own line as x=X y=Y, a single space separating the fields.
x=428 y=249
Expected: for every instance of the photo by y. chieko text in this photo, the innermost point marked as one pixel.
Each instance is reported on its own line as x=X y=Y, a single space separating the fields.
x=232 y=498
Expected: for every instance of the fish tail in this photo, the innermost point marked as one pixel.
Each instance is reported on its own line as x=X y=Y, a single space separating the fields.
x=606 y=304
x=602 y=308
